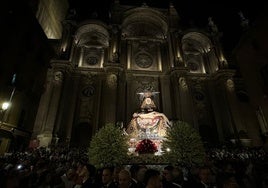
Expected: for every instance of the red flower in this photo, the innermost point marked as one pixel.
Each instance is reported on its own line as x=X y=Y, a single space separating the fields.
x=146 y=146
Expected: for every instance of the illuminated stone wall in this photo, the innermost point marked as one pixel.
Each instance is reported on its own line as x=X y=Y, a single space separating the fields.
x=50 y=14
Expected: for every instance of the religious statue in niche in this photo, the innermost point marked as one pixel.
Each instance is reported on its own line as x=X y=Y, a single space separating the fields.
x=147 y=124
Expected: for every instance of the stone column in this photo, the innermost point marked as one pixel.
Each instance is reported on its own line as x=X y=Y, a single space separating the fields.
x=109 y=98
x=186 y=104
x=66 y=41
x=48 y=107
x=178 y=51
x=166 y=96
x=129 y=55
x=215 y=89
x=171 y=50
x=114 y=49
x=233 y=104
x=176 y=98
x=121 y=95
x=70 y=107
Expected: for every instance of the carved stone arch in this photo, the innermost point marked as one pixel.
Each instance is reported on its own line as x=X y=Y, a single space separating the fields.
x=144 y=22
x=92 y=34
x=198 y=53
x=92 y=43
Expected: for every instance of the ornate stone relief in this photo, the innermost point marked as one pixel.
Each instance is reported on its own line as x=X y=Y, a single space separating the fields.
x=200 y=103
x=143 y=60
x=145 y=84
x=58 y=76
x=85 y=110
x=88 y=89
x=144 y=55
x=230 y=85
x=111 y=81
x=145 y=80
x=183 y=83
x=92 y=60
x=92 y=56
x=88 y=78
x=193 y=65
x=199 y=96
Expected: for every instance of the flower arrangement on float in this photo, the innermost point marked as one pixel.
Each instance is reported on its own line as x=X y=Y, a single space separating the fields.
x=146 y=146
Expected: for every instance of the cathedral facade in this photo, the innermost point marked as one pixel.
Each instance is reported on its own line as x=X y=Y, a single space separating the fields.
x=101 y=67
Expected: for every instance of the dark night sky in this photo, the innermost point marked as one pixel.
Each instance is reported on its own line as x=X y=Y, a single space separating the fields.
x=192 y=12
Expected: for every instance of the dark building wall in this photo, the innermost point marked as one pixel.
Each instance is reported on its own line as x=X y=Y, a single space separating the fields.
x=251 y=57
x=26 y=52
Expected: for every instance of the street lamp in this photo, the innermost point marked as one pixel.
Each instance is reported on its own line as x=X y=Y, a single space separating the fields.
x=4 y=107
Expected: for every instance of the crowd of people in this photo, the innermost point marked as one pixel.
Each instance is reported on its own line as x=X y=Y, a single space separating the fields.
x=69 y=168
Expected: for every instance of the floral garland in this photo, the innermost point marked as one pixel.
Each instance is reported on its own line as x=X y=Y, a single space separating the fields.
x=146 y=146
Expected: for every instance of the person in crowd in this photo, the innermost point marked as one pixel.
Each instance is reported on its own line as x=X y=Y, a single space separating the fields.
x=68 y=177
x=178 y=179
x=108 y=178
x=203 y=178
x=152 y=179
x=230 y=182
x=88 y=174
x=125 y=180
x=264 y=181
x=167 y=177
x=117 y=169
x=137 y=174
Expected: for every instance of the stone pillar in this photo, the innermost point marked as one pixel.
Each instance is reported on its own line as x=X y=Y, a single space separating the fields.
x=233 y=104
x=114 y=49
x=242 y=116
x=129 y=50
x=67 y=109
x=171 y=50
x=214 y=88
x=178 y=51
x=166 y=96
x=109 y=98
x=48 y=107
x=186 y=104
x=71 y=108
x=121 y=95
x=66 y=41
x=176 y=98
